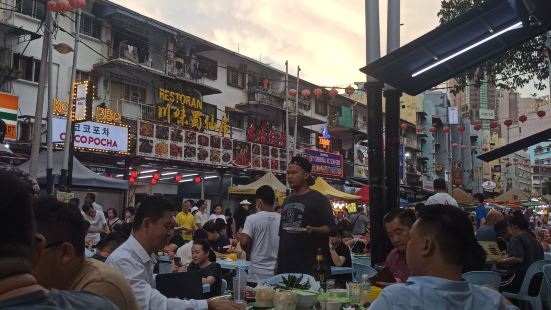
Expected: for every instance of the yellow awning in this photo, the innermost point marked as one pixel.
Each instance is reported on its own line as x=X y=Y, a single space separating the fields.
x=462 y=196
x=327 y=190
x=250 y=189
x=511 y=196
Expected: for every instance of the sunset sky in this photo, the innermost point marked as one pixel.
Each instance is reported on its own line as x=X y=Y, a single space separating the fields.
x=325 y=37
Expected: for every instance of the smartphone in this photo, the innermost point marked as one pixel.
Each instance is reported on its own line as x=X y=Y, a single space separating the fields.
x=177 y=261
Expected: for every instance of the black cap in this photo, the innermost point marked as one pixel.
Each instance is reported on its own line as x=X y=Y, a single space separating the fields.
x=305 y=164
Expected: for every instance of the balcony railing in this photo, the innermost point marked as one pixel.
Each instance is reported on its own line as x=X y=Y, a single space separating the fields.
x=265 y=97
x=135 y=109
x=141 y=56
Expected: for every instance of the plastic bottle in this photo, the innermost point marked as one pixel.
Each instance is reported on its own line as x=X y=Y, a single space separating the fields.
x=365 y=290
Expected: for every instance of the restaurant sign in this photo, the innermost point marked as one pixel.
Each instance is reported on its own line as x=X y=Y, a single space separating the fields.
x=8 y=113
x=325 y=164
x=361 y=161
x=93 y=136
x=187 y=112
x=166 y=142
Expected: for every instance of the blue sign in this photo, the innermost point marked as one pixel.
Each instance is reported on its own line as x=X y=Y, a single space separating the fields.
x=323 y=163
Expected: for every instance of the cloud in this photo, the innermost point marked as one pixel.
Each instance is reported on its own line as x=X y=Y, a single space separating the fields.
x=325 y=37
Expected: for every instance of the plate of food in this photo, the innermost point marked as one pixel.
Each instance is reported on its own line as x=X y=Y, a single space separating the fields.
x=191 y=137
x=146 y=146
x=202 y=154
x=176 y=135
x=161 y=149
x=215 y=142
x=202 y=140
x=175 y=150
x=161 y=132
x=214 y=156
x=146 y=129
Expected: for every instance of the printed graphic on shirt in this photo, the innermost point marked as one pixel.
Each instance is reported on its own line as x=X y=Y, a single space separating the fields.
x=292 y=215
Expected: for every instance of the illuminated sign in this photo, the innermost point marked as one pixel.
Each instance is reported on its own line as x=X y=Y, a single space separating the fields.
x=60 y=107
x=80 y=100
x=105 y=115
x=324 y=139
x=185 y=111
x=326 y=164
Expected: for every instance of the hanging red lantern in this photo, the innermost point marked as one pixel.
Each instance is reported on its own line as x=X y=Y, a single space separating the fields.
x=82 y=4
x=178 y=178
x=349 y=90
x=292 y=92
x=446 y=129
x=74 y=4
x=541 y=113
x=154 y=181
x=63 y=5
x=477 y=127
x=197 y=180
x=493 y=125
x=156 y=175
x=463 y=146
x=432 y=129
x=52 y=5
x=523 y=118
x=305 y=93
x=404 y=126
x=454 y=145
x=508 y=122
x=473 y=148
x=132 y=180
x=134 y=174
x=419 y=128
x=461 y=128
x=318 y=92
x=333 y=92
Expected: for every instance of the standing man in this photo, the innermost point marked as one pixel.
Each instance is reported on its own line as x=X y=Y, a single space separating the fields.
x=260 y=237
x=481 y=211
x=241 y=214
x=201 y=216
x=152 y=229
x=186 y=221
x=441 y=196
x=90 y=200
x=306 y=221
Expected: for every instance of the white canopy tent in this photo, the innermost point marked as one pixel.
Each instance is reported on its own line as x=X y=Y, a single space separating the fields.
x=82 y=176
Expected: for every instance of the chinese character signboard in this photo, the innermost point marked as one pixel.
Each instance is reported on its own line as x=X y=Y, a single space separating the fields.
x=93 y=136
x=8 y=113
x=178 y=109
x=264 y=134
x=360 y=161
x=160 y=141
x=325 y=164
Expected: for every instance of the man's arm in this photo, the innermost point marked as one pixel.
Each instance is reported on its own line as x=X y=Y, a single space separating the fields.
x=337 y=260
x=245 y=241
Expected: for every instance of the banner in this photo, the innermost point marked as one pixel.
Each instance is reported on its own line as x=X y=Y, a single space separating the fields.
x=325 y=164
x=361 y=161
x=93 y=136
x=8 y=113
x=160 y=141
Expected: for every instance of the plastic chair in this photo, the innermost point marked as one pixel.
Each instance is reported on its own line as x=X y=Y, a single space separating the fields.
x=490 y=278
x=547 y=255
x=547 y=277
x=223 y=286
x=278 y=279
x=535 y=301
x=359 y=269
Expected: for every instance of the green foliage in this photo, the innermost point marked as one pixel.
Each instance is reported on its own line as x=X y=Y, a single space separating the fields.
x=294 y=282
x=513 y=69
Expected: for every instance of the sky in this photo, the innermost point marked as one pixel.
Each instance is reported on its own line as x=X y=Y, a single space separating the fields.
x=326 y=38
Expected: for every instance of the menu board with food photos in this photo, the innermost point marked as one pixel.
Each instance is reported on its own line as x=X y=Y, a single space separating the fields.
x=161 y=141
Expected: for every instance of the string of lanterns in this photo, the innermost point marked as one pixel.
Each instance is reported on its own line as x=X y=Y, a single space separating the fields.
x=65 y=5
x=318 y=92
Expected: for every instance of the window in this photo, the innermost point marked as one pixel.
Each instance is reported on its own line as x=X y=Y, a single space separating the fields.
x=208 y=67
x=237 y=120
x=210 y=109
x=33 y=8
x=134 y=94
x=82 y=76
x=321 y=107
x=90 y=26
x=334 y=110
x=236 y=78
x=27 y=67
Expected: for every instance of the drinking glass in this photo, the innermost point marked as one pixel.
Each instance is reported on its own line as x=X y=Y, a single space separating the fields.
x=354 y=292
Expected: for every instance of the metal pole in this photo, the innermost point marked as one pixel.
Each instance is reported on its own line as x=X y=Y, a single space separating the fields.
x=39 y=110
x=392 y=115
x=296 y=114
x=49 y=146
x=379 y=241
x=286 y=103
x=67 y=145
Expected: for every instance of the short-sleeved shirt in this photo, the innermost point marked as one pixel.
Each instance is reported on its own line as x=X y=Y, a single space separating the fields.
x=481 y=213
x=359 y=223
x=201 y=218
x=96 y=277
x=263 y=229
x=214 y=217
x=186 y=220
x=297 y=251
x=220 y=243
x=55 y=299
x=397 y=264
x=432 y=293
x=214 y=270
x=524 y=246
x=97 y=222
x=344 y=251
x=441 y=199
x=486 y=232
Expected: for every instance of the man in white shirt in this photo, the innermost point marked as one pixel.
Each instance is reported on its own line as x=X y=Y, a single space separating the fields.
x=260 y=237
x=90 y=199
x=153 y=227
x=97 y=221
x=201 y=216
x=441 y=197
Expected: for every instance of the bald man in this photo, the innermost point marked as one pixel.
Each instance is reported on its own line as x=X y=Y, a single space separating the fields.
x=486 y=232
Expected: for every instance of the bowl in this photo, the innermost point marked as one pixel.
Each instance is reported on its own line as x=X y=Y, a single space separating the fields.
x=338 y=292
x=305 y=299
x=333 y=305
